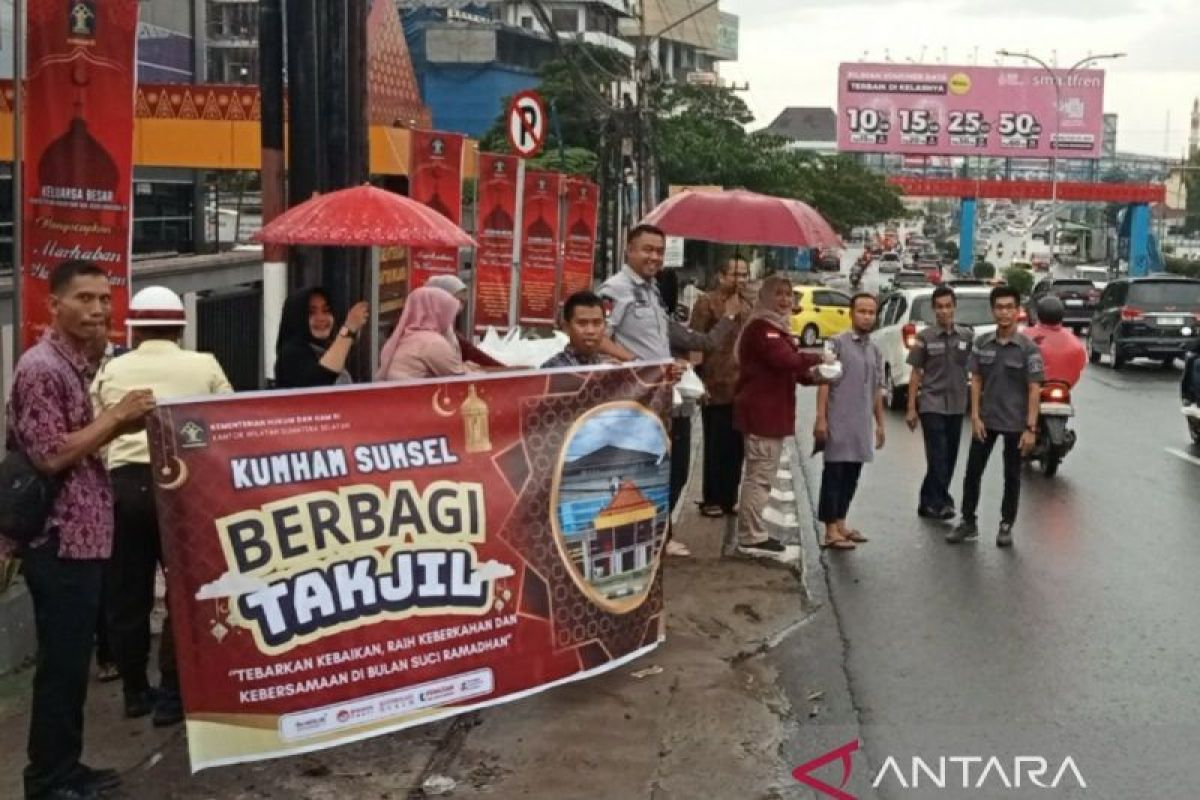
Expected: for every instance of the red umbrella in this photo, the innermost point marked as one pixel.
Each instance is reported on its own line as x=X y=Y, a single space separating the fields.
x=363 y=216
x=741 y=217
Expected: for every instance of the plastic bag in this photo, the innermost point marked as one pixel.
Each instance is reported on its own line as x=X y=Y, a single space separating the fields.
x=690 y=387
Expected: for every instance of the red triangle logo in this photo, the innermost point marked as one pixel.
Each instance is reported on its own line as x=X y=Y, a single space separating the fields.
x=843 y=754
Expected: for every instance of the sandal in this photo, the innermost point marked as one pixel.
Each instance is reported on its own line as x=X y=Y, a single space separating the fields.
x=838 y=544
x=711 y=511
x=675 y=548
x=856 y=536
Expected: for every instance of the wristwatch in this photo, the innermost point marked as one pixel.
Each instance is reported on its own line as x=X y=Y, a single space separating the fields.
x=348 y=333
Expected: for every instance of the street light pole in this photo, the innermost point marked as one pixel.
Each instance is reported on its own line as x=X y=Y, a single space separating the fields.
x=1057 y=84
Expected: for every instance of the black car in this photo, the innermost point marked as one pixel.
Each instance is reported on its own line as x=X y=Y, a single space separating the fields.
x=1156 y=317
x=1079 y=297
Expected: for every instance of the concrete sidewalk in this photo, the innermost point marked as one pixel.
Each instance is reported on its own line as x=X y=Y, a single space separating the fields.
x=709 y=721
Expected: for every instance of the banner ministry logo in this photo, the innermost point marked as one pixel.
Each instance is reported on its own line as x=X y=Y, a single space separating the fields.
x=964 y=773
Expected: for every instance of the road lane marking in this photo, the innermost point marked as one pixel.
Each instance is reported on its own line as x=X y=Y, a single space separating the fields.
x=1180 y=454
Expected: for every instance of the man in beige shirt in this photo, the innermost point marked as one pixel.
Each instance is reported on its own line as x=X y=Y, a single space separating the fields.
x=156 y=320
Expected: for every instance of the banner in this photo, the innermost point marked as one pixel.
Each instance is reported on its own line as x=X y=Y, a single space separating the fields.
x=496 y=211
x=435 y=179
x=335 y=573
x=989 y=111
x=579 y=248
x=78 y=149
x=539 y=247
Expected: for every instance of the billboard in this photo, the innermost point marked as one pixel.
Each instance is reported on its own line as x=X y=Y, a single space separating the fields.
x=976 y=111
x=335 y=572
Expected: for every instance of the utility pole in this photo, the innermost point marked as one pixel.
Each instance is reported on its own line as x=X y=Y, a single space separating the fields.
x=275 y=278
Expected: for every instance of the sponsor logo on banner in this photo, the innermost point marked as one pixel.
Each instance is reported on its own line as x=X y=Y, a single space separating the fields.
x=495 y=214
x=78 y=149
x=339 y=574
x=435 y=179
x=540 y=239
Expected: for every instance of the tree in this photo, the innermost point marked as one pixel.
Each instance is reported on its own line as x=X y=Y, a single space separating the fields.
x=575 y=88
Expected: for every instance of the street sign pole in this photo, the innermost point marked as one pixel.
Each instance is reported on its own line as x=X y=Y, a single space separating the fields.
x=526 y=136
x=18 y=191
x=514 y=290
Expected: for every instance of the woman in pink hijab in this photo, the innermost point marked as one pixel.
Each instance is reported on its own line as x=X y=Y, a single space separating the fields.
x=423 y=344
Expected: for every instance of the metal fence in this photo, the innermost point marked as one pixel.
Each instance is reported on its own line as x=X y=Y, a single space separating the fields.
x=229 y=325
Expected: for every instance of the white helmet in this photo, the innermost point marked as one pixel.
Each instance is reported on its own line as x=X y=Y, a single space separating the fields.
x=156 y=306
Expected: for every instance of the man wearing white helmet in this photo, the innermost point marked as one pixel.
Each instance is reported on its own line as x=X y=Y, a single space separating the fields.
x=156 y=321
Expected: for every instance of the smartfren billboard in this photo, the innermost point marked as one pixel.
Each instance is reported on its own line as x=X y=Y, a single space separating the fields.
x=984 y=111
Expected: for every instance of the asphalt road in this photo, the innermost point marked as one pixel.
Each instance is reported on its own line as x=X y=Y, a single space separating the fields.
x=1081 y=641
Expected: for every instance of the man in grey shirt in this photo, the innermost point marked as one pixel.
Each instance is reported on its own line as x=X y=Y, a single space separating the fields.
x=843 y=427
x=937 y=399
x=1006 y=380
x=640 y=329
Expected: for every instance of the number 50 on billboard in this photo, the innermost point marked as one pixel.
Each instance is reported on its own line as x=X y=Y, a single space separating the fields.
x=985 y=111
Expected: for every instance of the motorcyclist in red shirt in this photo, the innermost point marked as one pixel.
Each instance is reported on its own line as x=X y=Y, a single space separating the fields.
x=1064 y=354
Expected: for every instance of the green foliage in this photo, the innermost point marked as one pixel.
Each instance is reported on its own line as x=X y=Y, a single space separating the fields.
x=1019 y=279
x=1183 y=266
x=698 y=137
x=985 y=270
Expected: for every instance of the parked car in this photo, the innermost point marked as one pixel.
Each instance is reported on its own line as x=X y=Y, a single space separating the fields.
x=1154 y=317
x=908 y=278
x=905 y=313
x=889 y=263
x=818 y=313
x=828 y=259
x=1096 y=273
x=1079 y=296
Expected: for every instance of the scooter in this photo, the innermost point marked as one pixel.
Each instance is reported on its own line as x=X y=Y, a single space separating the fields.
x=855 y=277
x=1054 y=437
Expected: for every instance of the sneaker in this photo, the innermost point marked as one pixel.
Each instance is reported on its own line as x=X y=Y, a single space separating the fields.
x=139 y=702
x=925 y=512
x=168 y=710
x=946 y=514
x=1004 y=537
x=772 y=549
x=964 y=531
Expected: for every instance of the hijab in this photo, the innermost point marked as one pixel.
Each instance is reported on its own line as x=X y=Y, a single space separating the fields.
x=426 y=309
x=293 y=323
x=447 y=283
x=764 y=309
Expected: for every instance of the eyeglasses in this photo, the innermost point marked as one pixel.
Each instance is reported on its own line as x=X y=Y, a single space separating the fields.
x=741 y=274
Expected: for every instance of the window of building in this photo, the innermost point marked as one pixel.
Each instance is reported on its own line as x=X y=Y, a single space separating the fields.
x=566 y=20
x=600 y=22
x=527 y=23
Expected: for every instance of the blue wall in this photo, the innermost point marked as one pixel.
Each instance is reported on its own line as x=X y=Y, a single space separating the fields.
x=468 y=99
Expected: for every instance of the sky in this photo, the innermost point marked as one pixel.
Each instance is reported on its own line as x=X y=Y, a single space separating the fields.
x=620 y=427
x=789 y=50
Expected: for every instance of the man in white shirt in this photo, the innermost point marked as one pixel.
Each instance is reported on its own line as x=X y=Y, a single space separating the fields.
x=157 y=320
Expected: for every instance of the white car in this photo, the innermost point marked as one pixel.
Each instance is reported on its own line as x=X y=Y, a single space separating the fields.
x=906 y=312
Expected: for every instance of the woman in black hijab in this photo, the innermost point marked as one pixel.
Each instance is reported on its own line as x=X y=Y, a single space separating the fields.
x=310 y=351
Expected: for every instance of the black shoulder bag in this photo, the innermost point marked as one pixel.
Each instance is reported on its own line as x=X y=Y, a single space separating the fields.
x=26 y=498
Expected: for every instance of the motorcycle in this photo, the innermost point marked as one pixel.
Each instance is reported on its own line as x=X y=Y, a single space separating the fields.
x=855 y=278
x=1190 y=390
x=1054 y=436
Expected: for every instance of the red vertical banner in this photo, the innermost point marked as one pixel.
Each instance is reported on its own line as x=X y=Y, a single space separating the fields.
x=435 y=179
x=579 y=246
x=539 y=247
x=496 y=208
x=78 y=151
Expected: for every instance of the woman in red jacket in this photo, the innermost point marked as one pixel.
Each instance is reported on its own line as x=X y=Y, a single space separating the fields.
x=764 y=408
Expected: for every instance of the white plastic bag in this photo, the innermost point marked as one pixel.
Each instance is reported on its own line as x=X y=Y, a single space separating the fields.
x=690 y=387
